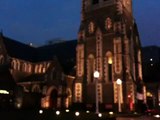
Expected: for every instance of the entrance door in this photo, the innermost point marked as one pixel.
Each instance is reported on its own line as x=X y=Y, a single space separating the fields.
x=53 y=99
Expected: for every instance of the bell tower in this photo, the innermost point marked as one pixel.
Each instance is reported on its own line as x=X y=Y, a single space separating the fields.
x=108 y=42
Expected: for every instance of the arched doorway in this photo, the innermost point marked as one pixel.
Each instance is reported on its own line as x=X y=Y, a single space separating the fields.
x=53 y=98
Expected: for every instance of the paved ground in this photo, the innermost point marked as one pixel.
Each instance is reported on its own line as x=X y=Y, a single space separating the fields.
x=51 y=115
x=138 y=118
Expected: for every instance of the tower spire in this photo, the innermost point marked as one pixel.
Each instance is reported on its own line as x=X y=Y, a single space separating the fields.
x=83 y=9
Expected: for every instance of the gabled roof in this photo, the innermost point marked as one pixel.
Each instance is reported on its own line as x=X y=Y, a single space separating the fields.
x=19 y=50
x=65 y=52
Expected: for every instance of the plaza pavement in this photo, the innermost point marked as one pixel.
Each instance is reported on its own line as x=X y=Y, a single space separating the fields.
x=51 y=115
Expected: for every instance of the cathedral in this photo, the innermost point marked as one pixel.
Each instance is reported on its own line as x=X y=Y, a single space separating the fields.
x=63 y=74
x=108 y=42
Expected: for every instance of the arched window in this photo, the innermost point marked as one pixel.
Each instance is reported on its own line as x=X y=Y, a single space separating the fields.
x=43 y=69
x=80 y=60
x=36 y=88
x=29 y=68
x=108 y=66
x=13 y=64
x=118 y=55
x=40 y=68
x=36 y=68
x=18 y=65
x=91 y=27
x=90 y=68
x=108 y=23
x=24 y=67
x=139 y=64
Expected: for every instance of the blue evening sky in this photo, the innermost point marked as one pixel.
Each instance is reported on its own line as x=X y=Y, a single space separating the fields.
x=37 y=21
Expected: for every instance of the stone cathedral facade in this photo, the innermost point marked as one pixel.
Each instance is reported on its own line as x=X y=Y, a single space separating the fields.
x=108 y=42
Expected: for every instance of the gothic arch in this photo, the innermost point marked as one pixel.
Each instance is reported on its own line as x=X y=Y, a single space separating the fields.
x=14 y=65
x=52 y=94
x=24 y=67
x=139 y=64
x=36 y=69
x=90 y=68
x=108 y=23
x=29 y=66
x=69 y=97
x=80 y=60
x=18 y=64
x=108 y=66
x=40 y=68
x=36 y=88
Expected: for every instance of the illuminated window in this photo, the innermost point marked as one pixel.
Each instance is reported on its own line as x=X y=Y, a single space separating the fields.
x=80 y=60
x=91 y=27
x=78 y=92
x=149 y=94
x=14 y=64
x=29 y=68
x=108 y=23
x=118 y=55
x=140 y=64
x=18 y=65
x=90 y=68
x=36 y=69
x=44 y=70
x=24 y=67
x=40 y=68
x=108 y=67
x=36 y=88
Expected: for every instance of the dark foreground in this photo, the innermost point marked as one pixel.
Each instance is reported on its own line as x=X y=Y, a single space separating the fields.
x=32 y=114
x=50 y=115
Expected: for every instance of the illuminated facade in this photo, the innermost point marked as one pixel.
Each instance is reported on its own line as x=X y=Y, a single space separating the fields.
x=108 y=41
x=38 y=77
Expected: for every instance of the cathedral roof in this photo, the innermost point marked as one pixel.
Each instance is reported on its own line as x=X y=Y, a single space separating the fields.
x=65 y=52
x=19 y=50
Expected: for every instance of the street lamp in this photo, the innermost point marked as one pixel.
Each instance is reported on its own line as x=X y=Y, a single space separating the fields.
x=96 y=76
x=119 y=82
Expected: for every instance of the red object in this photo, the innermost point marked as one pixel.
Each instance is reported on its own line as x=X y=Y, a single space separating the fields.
x=153 y=111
